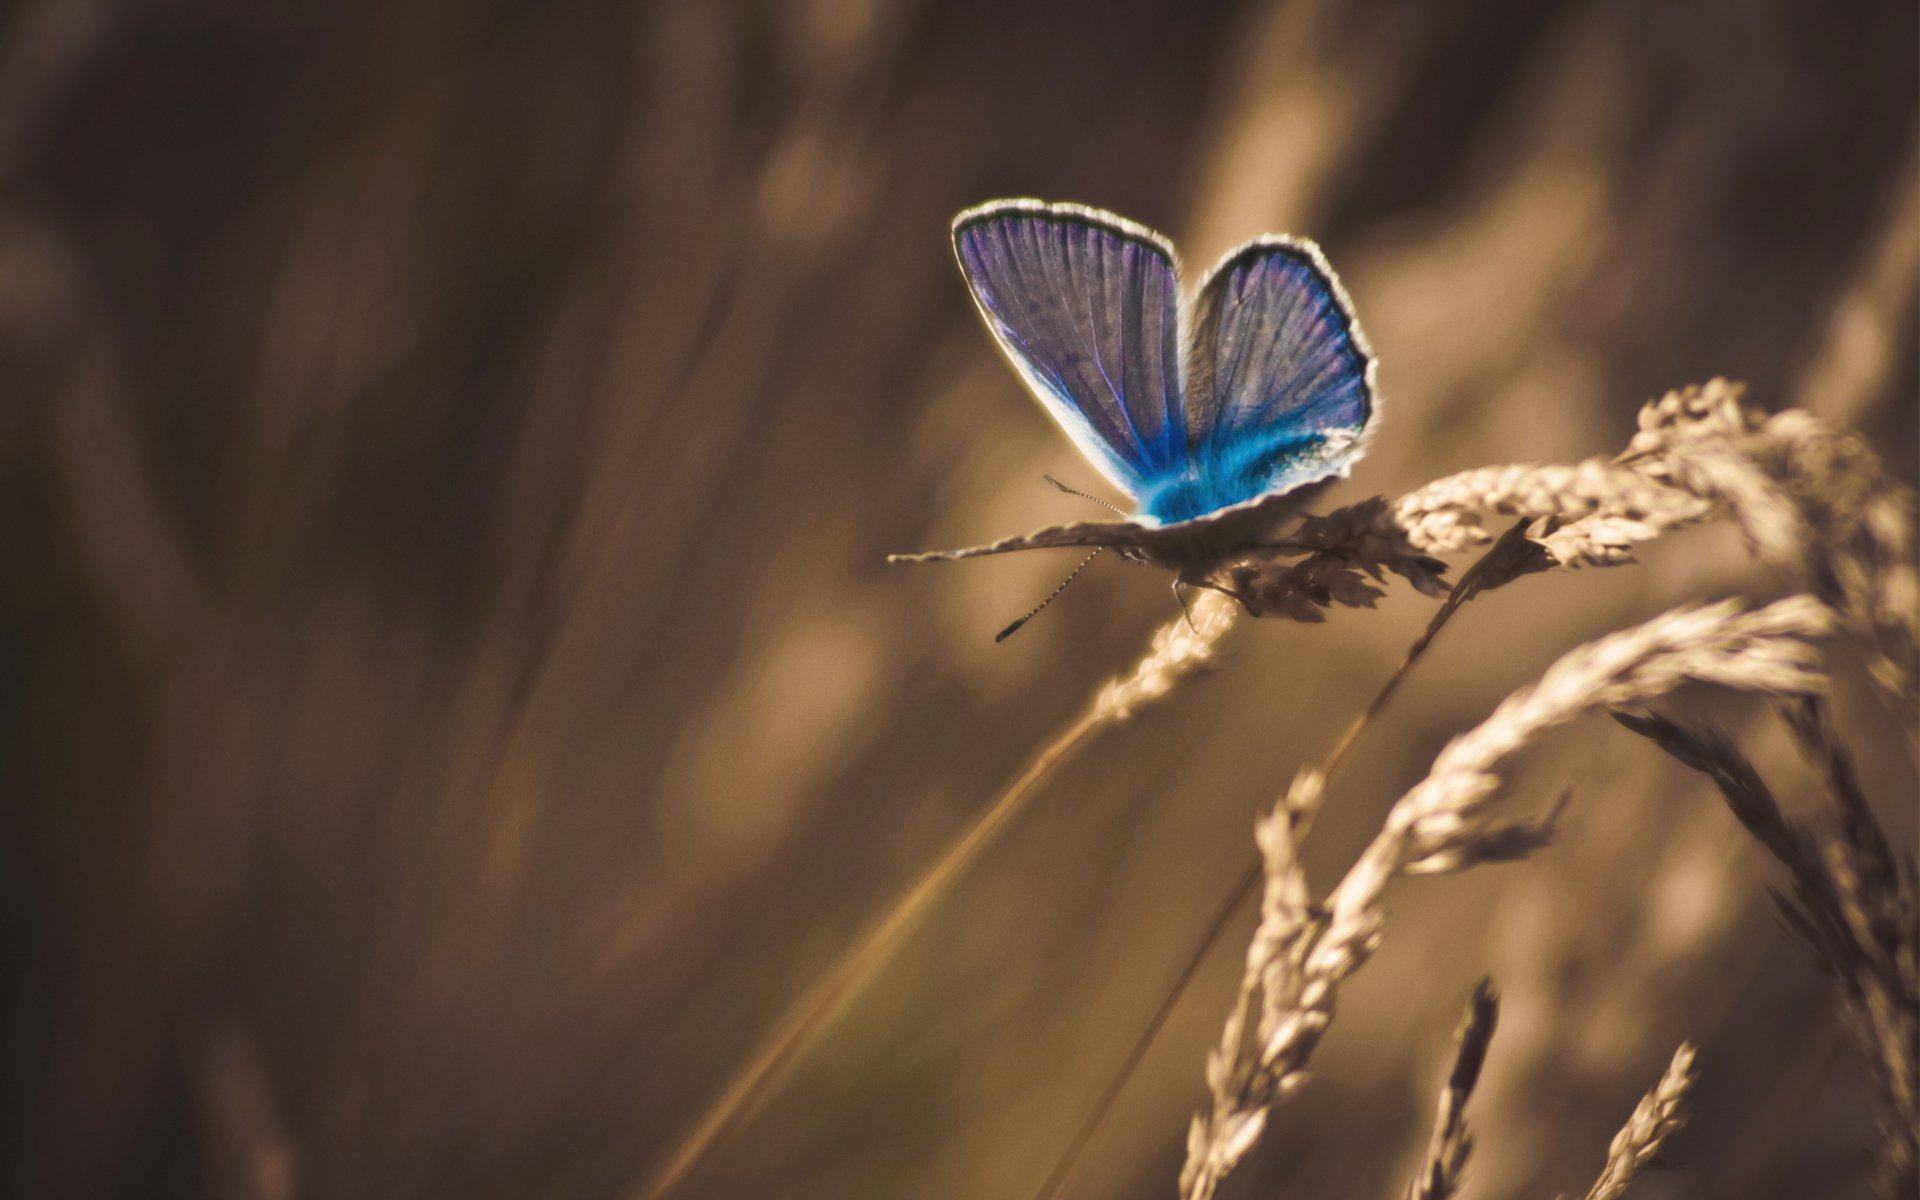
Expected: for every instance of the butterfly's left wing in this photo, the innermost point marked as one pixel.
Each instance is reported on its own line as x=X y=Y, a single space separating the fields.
x=1279 y=376
x=1086 y=305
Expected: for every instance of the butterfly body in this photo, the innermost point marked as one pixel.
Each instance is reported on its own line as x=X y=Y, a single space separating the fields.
x=1219 y=417
x=1193 y=547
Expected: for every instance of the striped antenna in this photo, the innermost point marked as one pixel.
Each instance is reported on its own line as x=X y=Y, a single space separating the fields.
x=1009 y=631
x=1074 y=491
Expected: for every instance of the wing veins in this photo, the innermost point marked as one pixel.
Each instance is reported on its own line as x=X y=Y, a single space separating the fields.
x=1092 y=339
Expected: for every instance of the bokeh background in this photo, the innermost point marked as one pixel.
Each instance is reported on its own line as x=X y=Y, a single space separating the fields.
x=453 y=696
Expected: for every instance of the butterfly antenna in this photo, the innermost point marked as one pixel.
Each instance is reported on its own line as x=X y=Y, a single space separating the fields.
x=1074 y=491
x=1009 y=631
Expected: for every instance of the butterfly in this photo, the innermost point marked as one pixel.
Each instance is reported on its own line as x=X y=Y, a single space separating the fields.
x=1219 y=416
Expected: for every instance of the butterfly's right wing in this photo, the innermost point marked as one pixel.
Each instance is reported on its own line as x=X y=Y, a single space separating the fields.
x=1279 y=376
x=1085 y=304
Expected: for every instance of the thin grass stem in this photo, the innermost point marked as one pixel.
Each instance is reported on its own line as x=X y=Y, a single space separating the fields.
x=1485 y=573
x=1181 y=649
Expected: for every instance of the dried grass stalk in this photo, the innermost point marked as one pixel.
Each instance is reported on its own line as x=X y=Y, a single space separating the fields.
x=1181 y=649
x=1300 y=953
x=1813 y=502
x=1853 y=902
x=1658 y=1116
x=1590 y=513
x=1445 y=1166
x=1506 y=560
x=1604 y=508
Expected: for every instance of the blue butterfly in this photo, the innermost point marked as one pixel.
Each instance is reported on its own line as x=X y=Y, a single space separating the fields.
x=1218 y=417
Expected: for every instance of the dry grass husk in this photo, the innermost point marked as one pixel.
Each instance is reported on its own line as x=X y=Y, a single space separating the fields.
x=1444 y=1168
x=1812 y=503
x=1851 y=901
x=1658 y=1116
x=1302 y=951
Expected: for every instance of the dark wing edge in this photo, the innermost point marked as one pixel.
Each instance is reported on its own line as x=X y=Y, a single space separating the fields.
x=1127 y=429
x=1208 y=414
x=1053 y=537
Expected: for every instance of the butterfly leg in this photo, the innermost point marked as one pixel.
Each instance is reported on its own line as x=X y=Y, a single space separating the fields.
x=1233 y=591
x=1181 y=599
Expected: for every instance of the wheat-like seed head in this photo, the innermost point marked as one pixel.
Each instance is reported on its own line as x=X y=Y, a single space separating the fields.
x=1301 y=953
x=1444 y=1168
x=1813 y=502
x=1441 y=517
x=1810 y=501
x=1182 y=648
x=1658 y=1116
x=1853 y=902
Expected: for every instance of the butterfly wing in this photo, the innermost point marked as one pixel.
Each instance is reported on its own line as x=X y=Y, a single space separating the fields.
x=1086 y=306
x=1188 y=546
x=1279 y=381
x=1080 y=533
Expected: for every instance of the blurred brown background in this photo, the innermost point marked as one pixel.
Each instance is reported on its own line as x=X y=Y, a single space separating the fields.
x=453 y=696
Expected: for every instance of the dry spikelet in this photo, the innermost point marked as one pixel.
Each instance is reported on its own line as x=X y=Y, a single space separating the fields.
x=1343 y=550
x=1590 y=513
x=1852 y=902
x=1445 y=1166
x=1811 y=501
x=1301 y=953
x=1182 y=648
x=1596 y=495
x=1658 y=1116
